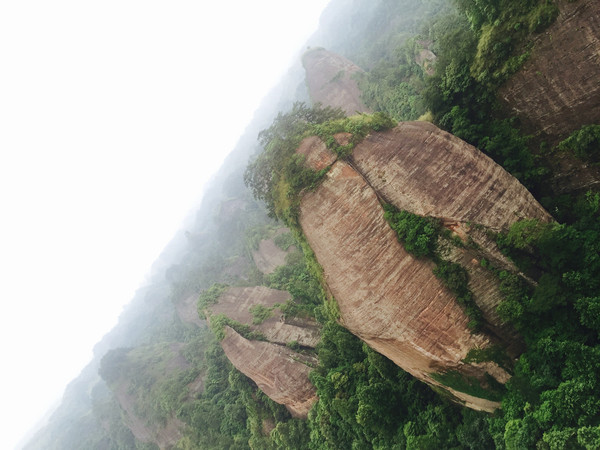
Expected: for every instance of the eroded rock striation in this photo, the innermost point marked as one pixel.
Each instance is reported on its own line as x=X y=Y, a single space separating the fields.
x=279 y=371
x=427 y=171
x=275 y=370
x=389 y=298
x=237 y=303
x=330 y=81
x=424 y=170
x=557 y=90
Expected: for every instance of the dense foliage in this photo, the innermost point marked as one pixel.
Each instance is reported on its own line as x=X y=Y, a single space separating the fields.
x=277 y=175
x=554 y=397
x=276 y=171
x=366 y=401
x=420 y=236
x=551 y=400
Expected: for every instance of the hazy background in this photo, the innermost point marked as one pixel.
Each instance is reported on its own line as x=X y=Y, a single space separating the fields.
x=113 y=115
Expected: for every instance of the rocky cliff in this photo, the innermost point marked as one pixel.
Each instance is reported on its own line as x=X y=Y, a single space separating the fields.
x=468 y=192
x=330 y=79
x=237 y=303
x=389 y=298
x=557 y=90
x=275 y=369
x=429 y=172
x=278 y=370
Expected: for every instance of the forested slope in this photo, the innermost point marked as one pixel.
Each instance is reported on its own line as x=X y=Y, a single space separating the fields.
x=167 y=382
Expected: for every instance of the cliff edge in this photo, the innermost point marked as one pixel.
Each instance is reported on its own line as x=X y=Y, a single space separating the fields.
x=279 y=364
x=391 y=299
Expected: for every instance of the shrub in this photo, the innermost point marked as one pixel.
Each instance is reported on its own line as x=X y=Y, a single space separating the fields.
x=260 y=313
x=584 y=143
x=294 y=345
x=284 y=241
x=417 y=234
x=210 y=297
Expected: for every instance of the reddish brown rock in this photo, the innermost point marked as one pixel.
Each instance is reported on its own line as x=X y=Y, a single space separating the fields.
x=236 y=303
x=317 y=155
x=275 y=369
x=386 y=297
x=330 y=81
x=280 y=372
x=421 y=169
x=424 y=170
x=343 y=138
x=558 y=90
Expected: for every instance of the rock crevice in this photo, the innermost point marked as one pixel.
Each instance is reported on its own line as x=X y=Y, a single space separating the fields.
x=279 y=371
x=389 y=298
x=275 y=370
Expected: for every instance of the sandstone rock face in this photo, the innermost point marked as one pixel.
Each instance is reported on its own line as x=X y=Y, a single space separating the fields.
x=275 y=369
x=330 y=82
x=421 y=169
x=388 y=298
x=424 y=170
x=557 y=90
x=236 y=303
x=280 y=372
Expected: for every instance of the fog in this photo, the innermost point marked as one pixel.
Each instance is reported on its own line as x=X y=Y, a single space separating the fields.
x=114 y=115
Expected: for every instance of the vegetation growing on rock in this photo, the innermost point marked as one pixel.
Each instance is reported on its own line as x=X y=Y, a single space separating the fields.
x=366 y=401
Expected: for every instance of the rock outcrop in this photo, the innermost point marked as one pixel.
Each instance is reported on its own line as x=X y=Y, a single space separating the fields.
x=317 y=155
x=426 y=58
x=427 y=171
x=465 y=189
x=557 y=90
x=236 y=303
x=279 y=371
x=330 y=79
x=389 y=298
x=268 y=256
x=275 y=369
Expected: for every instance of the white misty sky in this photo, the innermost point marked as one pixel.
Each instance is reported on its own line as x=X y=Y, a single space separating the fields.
x=113 y=114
